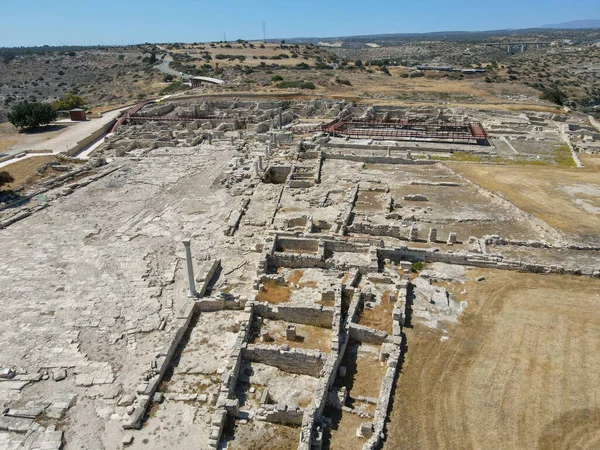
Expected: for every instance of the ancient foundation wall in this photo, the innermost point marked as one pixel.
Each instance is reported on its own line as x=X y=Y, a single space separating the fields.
x=321 y=316
x=292 y=360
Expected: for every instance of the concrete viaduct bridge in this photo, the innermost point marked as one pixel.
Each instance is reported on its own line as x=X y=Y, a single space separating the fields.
x=512 y=47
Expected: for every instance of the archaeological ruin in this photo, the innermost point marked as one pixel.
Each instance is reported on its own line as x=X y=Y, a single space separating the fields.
x=231 y=273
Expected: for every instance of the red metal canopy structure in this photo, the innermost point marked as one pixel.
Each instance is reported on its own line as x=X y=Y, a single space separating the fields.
x=405 y=129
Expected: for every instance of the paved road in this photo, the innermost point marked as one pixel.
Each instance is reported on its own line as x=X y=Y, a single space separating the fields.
x=66 y=140
x=70 y=136
x=164 y=68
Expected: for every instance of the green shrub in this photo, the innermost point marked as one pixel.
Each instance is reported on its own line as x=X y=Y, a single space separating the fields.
x=276 y=78
x=6 y=178
x=296 y=84
x=554 y=95
x=69 y=101
x=175 y=86
x=31 y=115
x=416 y=266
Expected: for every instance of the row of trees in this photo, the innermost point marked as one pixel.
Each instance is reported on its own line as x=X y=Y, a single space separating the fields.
x=26 y=116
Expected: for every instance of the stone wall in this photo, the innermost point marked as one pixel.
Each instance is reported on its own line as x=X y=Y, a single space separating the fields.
x=312 y=429
x=365 y=334
x=320 y=316
x=280 y=413
x=371 y=159
x=291 y=360
x=159 y=366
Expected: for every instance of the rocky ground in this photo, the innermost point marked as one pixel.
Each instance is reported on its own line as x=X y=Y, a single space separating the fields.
x=313 y=299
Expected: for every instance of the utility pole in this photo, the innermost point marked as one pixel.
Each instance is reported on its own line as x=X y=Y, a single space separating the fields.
x=224 y=37
x=264 y=32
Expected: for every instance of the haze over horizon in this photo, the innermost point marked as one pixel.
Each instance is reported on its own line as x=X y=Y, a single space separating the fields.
x=116 y=23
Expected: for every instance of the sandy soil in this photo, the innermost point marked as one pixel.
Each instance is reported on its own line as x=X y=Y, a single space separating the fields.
x=519 y=370
x=565 y=198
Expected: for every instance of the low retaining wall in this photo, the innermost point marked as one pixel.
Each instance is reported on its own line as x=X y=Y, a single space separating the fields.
x=90 y=139
x=291 y=360
x=280 y=413
x=24 y=153
x=159 y=366
x=308 y=315
x=365 y=334
x=394 y=348
x=312 y=433
x=377 y=159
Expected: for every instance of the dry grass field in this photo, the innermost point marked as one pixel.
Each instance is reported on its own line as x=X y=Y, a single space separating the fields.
x=25 y=171
x=568 y=199
x=270 y=54
x=519 y=370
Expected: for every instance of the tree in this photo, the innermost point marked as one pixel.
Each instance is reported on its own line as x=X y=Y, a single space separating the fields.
x=6 y=178
x=68 y=102
x=167 y=78
x=31 y=115
x=358 y=63
x=8 y=57
x=554 y=95
x=276 y=78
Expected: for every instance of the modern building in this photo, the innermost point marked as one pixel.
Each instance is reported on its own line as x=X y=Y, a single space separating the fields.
x=77 y=114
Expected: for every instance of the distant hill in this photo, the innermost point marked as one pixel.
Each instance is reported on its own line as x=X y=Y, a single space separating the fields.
x=556 y=31
x=574 y=25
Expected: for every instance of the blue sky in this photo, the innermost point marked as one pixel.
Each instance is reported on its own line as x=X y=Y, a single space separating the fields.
x=37 y=22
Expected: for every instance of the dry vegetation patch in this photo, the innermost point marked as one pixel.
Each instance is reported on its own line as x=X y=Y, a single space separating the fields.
x=273 y=292
x=26 y=170
x=379 y=317
x=518 y=370
x=555 y=195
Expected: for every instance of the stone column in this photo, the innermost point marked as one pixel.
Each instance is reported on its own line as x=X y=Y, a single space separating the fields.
x=432 y=234
x=209 y=136
x=190 y=268
x=260 y=162
x=414 y=233
x=256 y=169
x=451 y=238
x=268 y=149
x=280 y=120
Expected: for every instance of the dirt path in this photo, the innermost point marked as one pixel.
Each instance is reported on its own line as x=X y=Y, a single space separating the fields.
x=520 y=370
